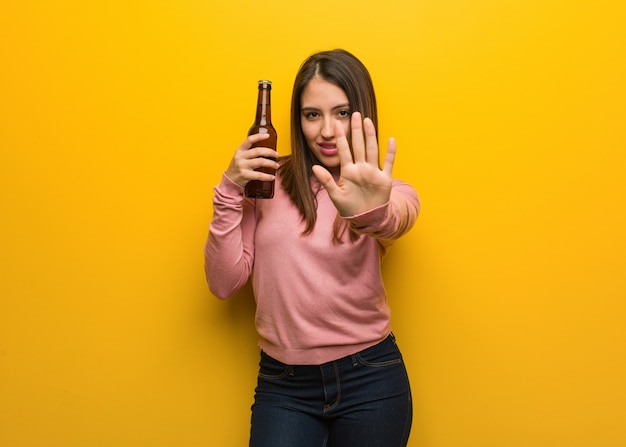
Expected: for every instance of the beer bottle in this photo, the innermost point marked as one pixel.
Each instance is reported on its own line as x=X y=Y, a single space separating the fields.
x=263 y=124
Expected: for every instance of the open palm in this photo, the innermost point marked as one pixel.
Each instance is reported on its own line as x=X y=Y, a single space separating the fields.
x=362 y=185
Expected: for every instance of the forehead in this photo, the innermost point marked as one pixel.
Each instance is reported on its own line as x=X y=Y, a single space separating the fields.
x=320 y=93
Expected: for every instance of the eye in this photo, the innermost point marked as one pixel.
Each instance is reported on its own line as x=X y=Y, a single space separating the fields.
x=311 y=115
x=344 y=114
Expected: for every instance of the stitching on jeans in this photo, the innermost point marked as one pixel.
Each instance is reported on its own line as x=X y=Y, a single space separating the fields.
x=378 y=364
x=287 y=371
x=275 y=377
x=328 y=408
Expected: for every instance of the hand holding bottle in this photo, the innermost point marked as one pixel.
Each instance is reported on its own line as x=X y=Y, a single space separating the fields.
x=362 y=185
x=247 y=159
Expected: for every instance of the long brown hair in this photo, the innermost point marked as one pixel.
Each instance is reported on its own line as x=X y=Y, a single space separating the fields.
x=341 y=68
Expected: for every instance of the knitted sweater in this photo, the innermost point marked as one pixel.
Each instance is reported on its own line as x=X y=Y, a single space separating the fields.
x=317 y=300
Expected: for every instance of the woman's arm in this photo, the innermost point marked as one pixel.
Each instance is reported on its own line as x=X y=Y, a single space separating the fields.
x=393 y=219
x=229 y=249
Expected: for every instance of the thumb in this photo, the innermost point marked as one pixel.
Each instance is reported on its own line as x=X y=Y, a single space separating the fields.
x=325 y=179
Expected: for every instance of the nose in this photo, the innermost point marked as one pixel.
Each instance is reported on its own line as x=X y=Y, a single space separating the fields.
x=328 y=128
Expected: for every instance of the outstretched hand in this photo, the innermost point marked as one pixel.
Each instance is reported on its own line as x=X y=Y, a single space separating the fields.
x=362 y=185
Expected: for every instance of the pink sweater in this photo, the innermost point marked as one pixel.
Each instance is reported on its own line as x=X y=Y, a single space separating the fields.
x=317 y=300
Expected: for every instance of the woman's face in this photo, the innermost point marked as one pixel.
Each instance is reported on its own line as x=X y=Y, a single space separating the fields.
x=323 y=105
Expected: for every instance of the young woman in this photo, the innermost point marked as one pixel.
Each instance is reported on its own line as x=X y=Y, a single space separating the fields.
x=330 y=372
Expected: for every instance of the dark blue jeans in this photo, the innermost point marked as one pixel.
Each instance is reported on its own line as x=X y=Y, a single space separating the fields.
x=360 y=400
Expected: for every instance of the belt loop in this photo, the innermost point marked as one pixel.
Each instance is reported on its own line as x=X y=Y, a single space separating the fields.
x=354 y=360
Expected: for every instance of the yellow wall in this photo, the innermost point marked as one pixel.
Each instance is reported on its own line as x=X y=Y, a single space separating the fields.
x=117 y=117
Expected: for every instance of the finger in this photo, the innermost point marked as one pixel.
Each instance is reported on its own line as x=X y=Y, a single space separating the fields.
x=260 y=168
x=262 y=176
x=358 y=145
x=371 y=142
x=325 y=179
x=253 y=139
x=252 y=147
x=390 y=157
x=260 y=151
x=343 y=148
x=261 y=162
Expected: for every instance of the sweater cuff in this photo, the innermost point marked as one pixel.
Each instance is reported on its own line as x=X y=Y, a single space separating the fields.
x=229 y=187
x=369 y=219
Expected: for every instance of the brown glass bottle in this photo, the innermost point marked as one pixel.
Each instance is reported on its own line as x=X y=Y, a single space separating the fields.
x=263 y=124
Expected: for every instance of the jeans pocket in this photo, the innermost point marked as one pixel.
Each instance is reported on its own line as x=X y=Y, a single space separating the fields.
x=272 y=369
x=385 y=353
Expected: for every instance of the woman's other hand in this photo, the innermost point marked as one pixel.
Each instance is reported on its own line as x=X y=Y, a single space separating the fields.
x=362 y=185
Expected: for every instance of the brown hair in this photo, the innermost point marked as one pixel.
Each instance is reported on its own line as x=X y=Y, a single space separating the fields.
x=348 y=73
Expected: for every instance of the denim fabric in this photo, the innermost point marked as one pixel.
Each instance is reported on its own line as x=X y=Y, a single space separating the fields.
x=360 y=400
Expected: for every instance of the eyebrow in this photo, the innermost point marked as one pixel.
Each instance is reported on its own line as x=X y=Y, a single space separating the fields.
x=339 y=106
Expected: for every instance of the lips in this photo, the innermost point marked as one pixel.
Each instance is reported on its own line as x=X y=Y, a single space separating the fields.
x=328 y=149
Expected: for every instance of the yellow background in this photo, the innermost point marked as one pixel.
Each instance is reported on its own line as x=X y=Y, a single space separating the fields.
x=509 y=296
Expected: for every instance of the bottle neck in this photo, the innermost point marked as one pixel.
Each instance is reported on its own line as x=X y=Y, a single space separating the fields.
x=264 y=111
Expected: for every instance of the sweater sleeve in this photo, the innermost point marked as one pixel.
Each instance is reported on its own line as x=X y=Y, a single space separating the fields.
x=388 y=222
x=229 y=249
